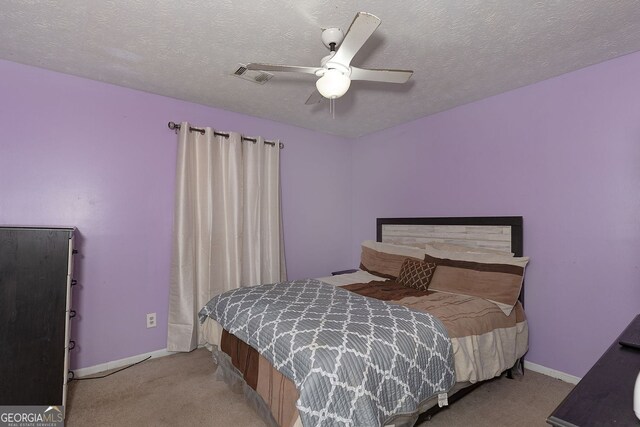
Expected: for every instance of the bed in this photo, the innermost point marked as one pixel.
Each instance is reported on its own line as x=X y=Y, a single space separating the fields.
x=463 y=277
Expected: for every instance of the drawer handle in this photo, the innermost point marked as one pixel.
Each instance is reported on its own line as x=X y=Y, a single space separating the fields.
x=72 y=314
x=74 y=282
x=72 y=345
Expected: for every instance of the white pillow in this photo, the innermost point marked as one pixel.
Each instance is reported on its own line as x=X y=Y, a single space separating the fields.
x=488 y=258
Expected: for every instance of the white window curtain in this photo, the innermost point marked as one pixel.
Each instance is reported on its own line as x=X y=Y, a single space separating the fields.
x=227 y=228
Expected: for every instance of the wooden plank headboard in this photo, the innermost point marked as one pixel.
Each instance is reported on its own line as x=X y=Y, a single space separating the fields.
x=494 y=232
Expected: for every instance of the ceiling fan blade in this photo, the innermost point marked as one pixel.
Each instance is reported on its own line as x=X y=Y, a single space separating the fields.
x=363 y=25
x=388 y=76
x=286 y=68
x=314 y=98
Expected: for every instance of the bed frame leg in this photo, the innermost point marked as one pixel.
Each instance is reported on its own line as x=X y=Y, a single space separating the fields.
x=518 y=367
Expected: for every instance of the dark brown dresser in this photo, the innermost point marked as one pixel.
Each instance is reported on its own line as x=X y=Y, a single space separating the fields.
x=604 y=397
x=36 y=265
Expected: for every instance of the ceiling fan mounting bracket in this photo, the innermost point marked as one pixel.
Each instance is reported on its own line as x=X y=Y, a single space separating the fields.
x=332 y=36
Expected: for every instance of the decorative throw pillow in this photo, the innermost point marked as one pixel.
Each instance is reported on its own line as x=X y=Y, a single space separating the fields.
x=416 y=274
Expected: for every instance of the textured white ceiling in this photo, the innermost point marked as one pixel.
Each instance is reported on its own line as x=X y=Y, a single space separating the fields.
x=460 y=51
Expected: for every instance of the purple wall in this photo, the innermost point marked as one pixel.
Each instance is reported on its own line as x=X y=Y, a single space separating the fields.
x=100 y=157
x=564 y=154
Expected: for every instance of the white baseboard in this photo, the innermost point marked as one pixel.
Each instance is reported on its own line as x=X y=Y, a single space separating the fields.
x=114 y=364
x=84 y=372
x=551 y=372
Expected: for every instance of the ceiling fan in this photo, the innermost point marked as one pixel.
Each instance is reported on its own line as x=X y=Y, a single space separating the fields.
x=335 y=71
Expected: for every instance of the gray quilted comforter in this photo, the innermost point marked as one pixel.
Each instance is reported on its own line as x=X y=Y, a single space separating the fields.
x=356 y=361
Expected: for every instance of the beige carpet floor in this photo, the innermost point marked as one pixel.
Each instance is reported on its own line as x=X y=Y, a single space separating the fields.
x=181 y=390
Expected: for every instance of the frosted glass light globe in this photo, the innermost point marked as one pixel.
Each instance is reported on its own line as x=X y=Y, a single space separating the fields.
x=333 y=84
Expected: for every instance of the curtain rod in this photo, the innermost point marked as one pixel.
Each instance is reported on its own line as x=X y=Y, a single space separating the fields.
x=176 y=127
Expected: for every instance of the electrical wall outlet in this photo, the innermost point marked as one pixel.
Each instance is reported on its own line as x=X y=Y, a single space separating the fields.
x=151 y=320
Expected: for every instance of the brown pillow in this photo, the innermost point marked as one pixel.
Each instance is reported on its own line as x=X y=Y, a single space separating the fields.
x=499 y=283
x=416 y=274
x=386 y=260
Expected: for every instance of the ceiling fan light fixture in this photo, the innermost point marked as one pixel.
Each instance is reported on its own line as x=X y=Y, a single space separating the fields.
x=333 y=84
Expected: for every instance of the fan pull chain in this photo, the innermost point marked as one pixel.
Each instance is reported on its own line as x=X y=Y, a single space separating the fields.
x=332 y=108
